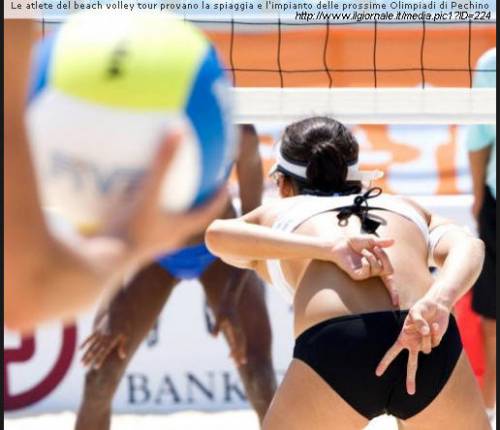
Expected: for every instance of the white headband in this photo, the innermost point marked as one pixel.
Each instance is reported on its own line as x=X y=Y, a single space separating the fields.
x=353 y=172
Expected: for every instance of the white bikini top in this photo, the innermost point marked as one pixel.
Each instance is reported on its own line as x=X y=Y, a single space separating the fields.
x=307 y=206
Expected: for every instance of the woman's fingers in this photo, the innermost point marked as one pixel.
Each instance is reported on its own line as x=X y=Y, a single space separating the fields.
x=134 y=221
x=154 y=230
x=426 y=344
x=383 y=258
x=89 y=354
x=436 y=334
x=375 y=262
x=383 y=243
x=420 y=322
x=363 y=271
x=391 y=287
x=100 y=347
x=375 y=265
x=89 y=340
x=359 y=243
x=411 y=372
x=96 y=361
x=386 y=274
x=154 y=180
x=104 y=352
x=389 y=357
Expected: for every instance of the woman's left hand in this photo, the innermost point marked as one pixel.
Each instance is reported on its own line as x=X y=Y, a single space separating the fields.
x=363 y=257
x=423 y=329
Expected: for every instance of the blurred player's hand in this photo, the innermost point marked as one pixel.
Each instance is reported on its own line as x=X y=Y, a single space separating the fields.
x=363 y=257
x=101 y=343
x=145 y=227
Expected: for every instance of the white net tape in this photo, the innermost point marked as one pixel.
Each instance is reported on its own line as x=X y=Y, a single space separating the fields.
x=368 y=105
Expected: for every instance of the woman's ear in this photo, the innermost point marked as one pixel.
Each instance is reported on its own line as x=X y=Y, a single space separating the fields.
x=286 y=187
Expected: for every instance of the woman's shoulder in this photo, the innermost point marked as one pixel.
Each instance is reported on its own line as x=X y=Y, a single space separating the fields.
x=409 y=201
x=289 y=209
x=274 y=208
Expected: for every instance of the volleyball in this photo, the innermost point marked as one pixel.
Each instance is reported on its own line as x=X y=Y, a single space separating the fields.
x=105 y=92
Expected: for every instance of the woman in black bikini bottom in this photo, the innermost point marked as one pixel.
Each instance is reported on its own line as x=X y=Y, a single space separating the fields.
x=374 y=330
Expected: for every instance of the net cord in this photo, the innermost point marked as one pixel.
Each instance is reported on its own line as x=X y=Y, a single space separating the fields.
x=367 y=105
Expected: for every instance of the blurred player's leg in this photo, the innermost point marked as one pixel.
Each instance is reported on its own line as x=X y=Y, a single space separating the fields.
x=257 y=372
x=118 y=332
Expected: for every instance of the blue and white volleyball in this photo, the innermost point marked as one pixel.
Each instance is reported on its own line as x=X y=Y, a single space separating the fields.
x=106 y=90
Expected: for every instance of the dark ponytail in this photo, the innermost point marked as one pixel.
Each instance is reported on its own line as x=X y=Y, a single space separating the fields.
x=327 y=148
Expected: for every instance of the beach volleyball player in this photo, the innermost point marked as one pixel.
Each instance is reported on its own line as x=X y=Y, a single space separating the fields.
x=235 y=296
x=45 y=277
x=359 y=336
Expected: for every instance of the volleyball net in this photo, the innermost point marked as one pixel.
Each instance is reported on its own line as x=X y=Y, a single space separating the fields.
x=372 y=72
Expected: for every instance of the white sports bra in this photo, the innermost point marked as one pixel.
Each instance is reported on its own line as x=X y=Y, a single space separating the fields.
x=307 y=206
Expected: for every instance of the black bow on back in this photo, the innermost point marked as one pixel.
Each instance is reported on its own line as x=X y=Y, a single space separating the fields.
x=360 y=208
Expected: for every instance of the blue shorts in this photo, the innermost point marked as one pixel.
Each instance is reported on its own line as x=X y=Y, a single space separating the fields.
x=189 y=262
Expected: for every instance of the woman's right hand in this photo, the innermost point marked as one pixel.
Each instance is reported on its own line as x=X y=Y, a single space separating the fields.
x=363 y=257
x=424 y=327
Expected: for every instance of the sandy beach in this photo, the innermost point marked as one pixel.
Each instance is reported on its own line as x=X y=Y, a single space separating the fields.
x=192 y=420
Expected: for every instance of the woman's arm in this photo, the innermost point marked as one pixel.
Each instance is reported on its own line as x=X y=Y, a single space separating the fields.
x=460 y=258
x=458 y=255
x=243 y=244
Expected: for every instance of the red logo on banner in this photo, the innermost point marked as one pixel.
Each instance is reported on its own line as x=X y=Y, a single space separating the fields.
x=47 y=384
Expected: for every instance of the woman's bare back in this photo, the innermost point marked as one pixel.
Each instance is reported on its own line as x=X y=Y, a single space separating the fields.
x=323 y=291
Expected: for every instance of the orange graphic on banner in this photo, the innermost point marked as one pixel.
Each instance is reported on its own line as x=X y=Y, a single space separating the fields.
x=400 y=152
x=382 y=151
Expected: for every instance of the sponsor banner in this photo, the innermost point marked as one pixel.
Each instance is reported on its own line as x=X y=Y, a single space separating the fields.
x=178 y=366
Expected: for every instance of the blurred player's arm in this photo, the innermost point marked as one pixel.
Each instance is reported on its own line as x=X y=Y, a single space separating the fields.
x=45 y=278
x=249 y=170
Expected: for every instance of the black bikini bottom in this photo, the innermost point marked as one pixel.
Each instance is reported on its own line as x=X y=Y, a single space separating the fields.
x=345 y=352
